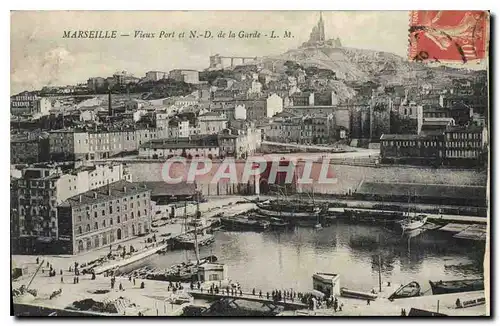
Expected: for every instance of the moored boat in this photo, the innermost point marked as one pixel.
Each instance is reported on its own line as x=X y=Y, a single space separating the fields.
x=288 y=209
x=187 y=241
x=345 y=292
x=409 y=290
x=413 y=223
x=277 y=223
x=455 y=286
x=242 y=224
x=372 y=215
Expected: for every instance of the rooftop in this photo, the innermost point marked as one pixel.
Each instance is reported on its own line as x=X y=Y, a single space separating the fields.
x=473 y=129
x=112 y=191
x=161 y=188
x=402 y=137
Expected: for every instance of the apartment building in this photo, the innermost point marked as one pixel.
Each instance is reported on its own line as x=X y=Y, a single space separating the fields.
x=44 y=186
x=104 y=216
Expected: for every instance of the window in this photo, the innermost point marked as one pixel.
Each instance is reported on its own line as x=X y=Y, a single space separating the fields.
x=95 y=214
x=110 y=221
x=131 y=205
x=132 y=215
x=96 y=226
x=88 y=228
x=110 y=209
x=103 y=212
x=79 y=230
x=104 y=223
x=118 y=219
x=138 y=213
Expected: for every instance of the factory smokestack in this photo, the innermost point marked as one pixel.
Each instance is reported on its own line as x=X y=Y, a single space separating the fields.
x=110 y=109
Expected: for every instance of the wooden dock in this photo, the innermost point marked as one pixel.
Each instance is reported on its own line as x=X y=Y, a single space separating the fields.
x=466 y=231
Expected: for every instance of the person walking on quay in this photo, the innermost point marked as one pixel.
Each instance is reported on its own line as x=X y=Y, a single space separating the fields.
x=267 y=295
x=340 y=307
x=335 y=305
x=253 y=291
x=62 y=279
x=112 y=283
x=121 y=287
x=241 y=293
x=130 y=278
x=260 y=294
x=367 y=302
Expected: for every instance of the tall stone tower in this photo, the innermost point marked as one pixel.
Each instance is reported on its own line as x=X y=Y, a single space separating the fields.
x=321 y=28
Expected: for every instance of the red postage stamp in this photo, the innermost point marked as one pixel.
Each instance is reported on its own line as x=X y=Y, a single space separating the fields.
x=448 y=36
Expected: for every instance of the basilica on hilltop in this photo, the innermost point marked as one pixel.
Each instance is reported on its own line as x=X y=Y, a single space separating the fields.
x=317 y=37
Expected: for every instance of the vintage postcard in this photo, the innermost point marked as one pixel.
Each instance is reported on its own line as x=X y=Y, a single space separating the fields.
x=250 y=163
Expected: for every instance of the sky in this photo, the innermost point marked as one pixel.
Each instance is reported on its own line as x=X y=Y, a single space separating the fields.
x=41 y=56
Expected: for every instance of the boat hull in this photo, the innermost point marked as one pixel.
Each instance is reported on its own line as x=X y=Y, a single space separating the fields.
x=239 y=225
x=281 y=214
x=357 y=294
x=409 y=290
x=445 y=287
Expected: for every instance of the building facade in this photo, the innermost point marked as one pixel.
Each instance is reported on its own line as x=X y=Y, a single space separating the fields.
x=95 y=144
x=43 y=187
x=211 y=123
x=30 y=104
x=185 y=75
x=104 y=216
x=165 y=148
x=156 y=75
x=465 y=144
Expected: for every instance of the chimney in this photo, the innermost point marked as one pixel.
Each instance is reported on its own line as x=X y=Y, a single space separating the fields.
x=95 y=195
x=110 y=109
x=80 y=198
x=124 y=189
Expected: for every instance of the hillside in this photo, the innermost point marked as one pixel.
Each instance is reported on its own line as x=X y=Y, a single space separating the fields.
x=360 y=65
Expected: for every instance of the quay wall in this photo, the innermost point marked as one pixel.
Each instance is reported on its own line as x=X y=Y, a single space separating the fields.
x=348 y=177
x=33 y=310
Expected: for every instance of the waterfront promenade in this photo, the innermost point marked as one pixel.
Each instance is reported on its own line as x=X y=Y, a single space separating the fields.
x=143 y=249
x=132 y=300
x=247 y=296
x=444 y=303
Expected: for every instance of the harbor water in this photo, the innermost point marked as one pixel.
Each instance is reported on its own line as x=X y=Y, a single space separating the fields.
x=288 y=259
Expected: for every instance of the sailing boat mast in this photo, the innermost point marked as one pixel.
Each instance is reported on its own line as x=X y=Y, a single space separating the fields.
x=196 y=248
x=184 y=225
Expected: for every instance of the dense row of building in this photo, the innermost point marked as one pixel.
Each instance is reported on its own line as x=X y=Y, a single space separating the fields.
x=38 y=191
x=456 y=145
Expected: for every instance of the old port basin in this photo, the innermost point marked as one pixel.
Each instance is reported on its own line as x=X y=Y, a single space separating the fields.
x=100 y=228
x=381 y=248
